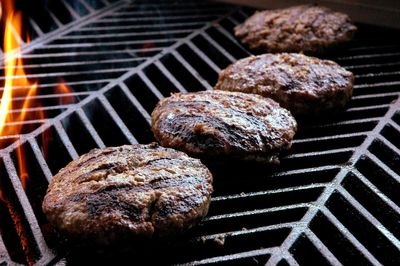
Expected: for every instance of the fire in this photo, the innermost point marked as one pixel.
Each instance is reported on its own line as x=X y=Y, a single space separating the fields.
x=64 y=94
x=18 y=98
x=15 y=77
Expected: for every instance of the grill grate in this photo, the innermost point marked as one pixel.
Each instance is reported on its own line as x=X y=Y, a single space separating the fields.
x=334 y=198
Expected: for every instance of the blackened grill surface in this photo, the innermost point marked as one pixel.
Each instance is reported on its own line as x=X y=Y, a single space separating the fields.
x=334 y=198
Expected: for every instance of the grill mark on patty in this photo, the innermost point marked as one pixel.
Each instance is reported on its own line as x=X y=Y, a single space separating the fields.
x=229 y=111
x=304 y=28
x=109 y=169
x=151 y=186
x=157 y=180
x=110 y=200
x=304 y=87
x=231 y=133
x=190 y=202
x=98 y=204
x=223 y=123
x=93 y=156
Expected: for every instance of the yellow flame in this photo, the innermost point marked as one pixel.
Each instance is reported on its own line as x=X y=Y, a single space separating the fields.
x=15 y=77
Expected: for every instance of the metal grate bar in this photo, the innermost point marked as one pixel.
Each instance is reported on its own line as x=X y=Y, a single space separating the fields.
x=135 y=102
x=254 y=194
x=95 y=53
x=36 y=28
x=383 y=166
x=394 y=125
x=316 y=153
x=295 y=234
x=127 y=133
x=155 y=33
x=64 y=74
x=71 y=10
x=31 y=219
x=319 y=139
x=377 y=192
x=57 y=47
x=68 y=28
x=79 y=63
x=170 y=77
x=227 y=35
x=327 y=160
x=142 y=28
x=90 y=128
x=369 y=217
x=175 y=18
x=41 y=160
x=191 y=70
x=150 y=85
x=372 y=107
x=55 y=19
x=249 y=231
x=163 y=13
x=233 y=258
x=389 y=144
x=66 y=141
x=219 y=47
x=4 y=256
x=347 y=234
x=204 y=57
x=324 y=250
x=52 y=85
x=86 y=5
x=379 y=65
x=289 y=258
x=257 y=211
x=372 y=47
x=369 y=56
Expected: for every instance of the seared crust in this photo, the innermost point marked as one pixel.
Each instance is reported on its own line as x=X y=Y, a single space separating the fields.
x=224 y=124
x=302 y=28
x=304 y=85
x=116 y=193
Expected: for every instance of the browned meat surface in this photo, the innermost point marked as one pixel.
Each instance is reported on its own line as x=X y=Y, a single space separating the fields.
x=296 y=29
x=117 y=193
x=224 y=124
x=304 y=85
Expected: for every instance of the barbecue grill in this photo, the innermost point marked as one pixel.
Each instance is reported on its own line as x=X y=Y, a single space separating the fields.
x=333 y=200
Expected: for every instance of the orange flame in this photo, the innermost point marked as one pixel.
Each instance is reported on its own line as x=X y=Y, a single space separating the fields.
x=14 y=111
x=66 y=98
x=15 y=77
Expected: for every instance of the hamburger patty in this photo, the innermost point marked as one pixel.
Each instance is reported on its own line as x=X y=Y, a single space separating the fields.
x=296 y=29
x=116 y=193
x=227 y=124
x=304 y=85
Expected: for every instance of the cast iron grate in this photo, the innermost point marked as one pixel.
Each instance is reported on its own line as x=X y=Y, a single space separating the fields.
x=92 y=51
x=333 y=200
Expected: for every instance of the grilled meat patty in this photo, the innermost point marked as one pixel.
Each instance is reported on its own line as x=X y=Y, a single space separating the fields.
x=302 y=28
x=304 y=85
x=227 y=124
x=116 y=193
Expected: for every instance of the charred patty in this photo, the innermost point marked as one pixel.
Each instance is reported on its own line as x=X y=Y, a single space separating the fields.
x=117 y=193
x=304 y=85
x=302 y=28
x=224 y=124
